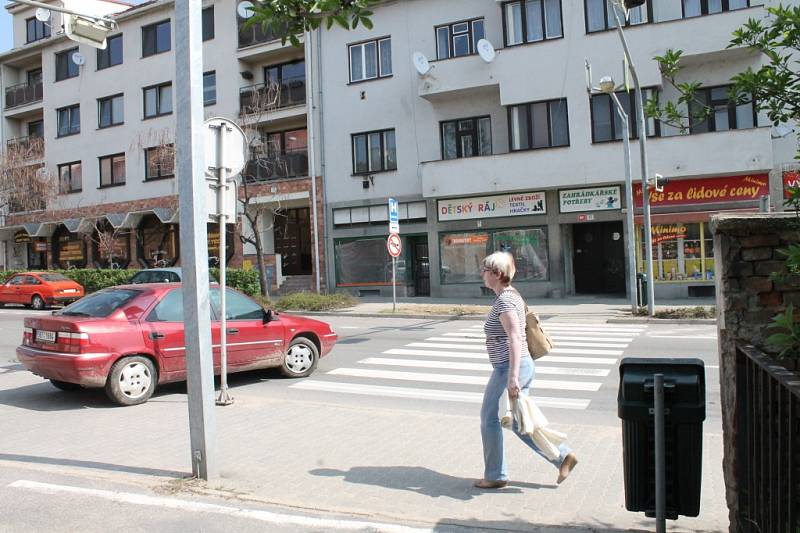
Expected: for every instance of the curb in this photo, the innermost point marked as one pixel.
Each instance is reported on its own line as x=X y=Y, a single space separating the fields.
x=648 y=320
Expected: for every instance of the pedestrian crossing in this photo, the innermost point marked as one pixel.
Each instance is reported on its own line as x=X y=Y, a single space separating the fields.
x=583 y=356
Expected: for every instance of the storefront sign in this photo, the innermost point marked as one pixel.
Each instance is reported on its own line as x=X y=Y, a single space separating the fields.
x=467 y=238
x=668 y=232
x=501 y=205
x=22 y=237
x=594 y=199
x=71 y=251
x=791 y=178
x=40 y=246
x=726 y=189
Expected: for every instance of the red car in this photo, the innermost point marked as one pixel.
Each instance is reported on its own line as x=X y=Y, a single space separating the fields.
x=39 y=289
x=128 y=339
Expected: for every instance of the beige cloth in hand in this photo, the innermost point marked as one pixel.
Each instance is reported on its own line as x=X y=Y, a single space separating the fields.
x=531 y=421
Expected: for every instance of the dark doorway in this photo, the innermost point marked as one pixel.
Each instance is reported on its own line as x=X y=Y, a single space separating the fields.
x=293 y=240
x=598 y=258
x=421 y=265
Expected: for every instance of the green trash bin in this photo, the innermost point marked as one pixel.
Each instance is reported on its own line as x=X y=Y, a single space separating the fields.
x=685 y=411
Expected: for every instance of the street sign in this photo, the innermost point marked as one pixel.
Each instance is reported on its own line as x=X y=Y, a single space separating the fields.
x=394 y=245
x=225 y=146
x=394 y=217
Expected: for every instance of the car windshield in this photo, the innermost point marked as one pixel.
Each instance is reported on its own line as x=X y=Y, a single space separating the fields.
x=100 y=304
x=54 y=276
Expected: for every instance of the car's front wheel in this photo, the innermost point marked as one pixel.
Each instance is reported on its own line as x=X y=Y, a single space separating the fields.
x=37 y=302
x=64 y=385
x=300 y=359
x=132 y=380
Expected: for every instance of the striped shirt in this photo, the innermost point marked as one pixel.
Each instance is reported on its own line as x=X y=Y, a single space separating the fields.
x=496 y=338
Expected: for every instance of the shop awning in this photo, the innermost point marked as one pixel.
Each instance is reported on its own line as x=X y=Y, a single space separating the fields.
x=116 y=219
x=166 y=215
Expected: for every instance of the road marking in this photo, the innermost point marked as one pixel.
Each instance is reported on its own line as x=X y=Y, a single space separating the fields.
x=558 y=337
x=712 y=366
x=610 y=327
x=466 y=335
x=451 y=339
x=348 y=327
x=683 y=336
x=428 y=394
x=192 y=506
x=486 y=367
x=402 y=351
x=586 y=352
x=480 y=347
x=577 y=360
x=589 y=345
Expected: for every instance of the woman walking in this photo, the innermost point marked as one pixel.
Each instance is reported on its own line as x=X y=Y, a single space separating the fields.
x=513 y=371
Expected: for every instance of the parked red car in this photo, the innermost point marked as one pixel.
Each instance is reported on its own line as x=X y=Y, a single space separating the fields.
x=129 y=338
x=39 y=289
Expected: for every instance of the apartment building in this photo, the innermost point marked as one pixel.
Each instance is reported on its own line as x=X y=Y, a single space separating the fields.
x=103 y=125
x=514 y=153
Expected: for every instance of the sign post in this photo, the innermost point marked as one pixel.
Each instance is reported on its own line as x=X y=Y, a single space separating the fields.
x=395 y=247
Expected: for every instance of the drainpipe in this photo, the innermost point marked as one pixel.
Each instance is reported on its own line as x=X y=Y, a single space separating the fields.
x=311 y=151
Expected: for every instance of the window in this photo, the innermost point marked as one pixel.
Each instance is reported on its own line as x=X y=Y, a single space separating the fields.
x=36 y=129
x=291 y=79
x=606 y=124
x=69 y=120
x=210 y=88
x=365 y=262
x=466 y=137
x=156 y=38
x=281 y=154
x=112 y=170
x=158 y=100
x=69 y=177
x=459 y=38
x=696 y=8
x=110 y=111
x=65 y=66
x=379 y=214
x=528 y=21
x=208 y=23
x=374 y=152
x=237 y=305
x=169 y=309
x=681 y=252
x=725 y=114
x=600 y=15
x=112 y=55
x=159 y=162
x=34 y=76
x=371 y=60
x=36 y=30
x=101 y=303
x=538 y=125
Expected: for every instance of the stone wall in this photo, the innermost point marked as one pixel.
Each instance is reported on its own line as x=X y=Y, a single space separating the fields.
x=746 y=254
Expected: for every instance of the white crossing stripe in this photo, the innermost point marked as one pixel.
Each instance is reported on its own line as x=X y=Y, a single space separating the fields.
x=558 y=337
x=577 y=360
x=595 y=325
x=683 y=336
x=451 y=339
x=581 y=351
x=607 y=331
x=466 y=335
x=479 y=347
x=486 y=367
x=402 y=351
x=589 y=345
x=429 y=394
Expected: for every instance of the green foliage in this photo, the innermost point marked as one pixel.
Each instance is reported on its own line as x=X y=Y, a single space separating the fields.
x=243 y=280
x=793 y=200
x=309 y=301
x=788 y=340
x=291 y=18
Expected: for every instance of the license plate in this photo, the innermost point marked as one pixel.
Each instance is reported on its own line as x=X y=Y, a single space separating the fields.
x=45 y=336
x=70 y=290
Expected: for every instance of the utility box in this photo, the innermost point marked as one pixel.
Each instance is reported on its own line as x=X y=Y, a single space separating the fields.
x=684 y=413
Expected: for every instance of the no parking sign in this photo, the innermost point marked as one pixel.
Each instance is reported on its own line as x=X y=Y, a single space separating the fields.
x=394 y=245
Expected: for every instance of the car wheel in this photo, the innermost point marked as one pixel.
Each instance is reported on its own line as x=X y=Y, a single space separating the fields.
x=132 y=380
x=37 y=302
x=65 y=386
x=300 y=359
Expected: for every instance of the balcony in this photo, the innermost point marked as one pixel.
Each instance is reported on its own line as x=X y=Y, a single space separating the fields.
x=290 y=165
x=26 y=148
x=23 y=93
x=256 y=34
x=263 y=98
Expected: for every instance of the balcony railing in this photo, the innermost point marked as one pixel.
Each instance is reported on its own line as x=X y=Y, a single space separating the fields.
x=290 y=165
x=261 y=97
x=26 y=148
x=23 y=93
x=255 y=34
x=767 y=450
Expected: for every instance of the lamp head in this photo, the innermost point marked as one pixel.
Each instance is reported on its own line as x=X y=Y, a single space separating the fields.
x=607 y=84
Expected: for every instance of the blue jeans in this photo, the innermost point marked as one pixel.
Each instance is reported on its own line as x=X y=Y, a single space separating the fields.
x=492 y=433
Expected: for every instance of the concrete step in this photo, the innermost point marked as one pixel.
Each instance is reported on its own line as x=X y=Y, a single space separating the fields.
x=295 y=284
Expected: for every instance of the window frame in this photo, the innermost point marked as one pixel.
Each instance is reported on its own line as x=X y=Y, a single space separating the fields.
x=111 y=157
x=108 y=53
x=154 y=27
x=473 y=44
x=110 y=99
x=711 y=122
x=161 y=176
x=208 y=30
x=71 y=164
x=529 y=124
x=524 y=23
x=71 y=109
x=476 y=140
x=378 y=66
x=625 y=23
x=157 y=87
x=725 y=8
x=633 y=123
x=68 y=55
x=366 y=134
x=207 y=103
x=37 y=25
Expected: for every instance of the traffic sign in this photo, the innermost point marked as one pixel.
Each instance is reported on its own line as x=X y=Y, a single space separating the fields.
x=394 y=216
x=394 y=245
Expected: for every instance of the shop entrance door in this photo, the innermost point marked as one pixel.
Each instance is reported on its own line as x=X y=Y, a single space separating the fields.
x=421 y=265
x=598 y=258
x=293 y=240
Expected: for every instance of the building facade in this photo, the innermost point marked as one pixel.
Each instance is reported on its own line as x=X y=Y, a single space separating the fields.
x=511 y=152
x=102 y=125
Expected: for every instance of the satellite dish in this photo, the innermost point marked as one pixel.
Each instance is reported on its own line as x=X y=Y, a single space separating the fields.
x=78 y=58
x=781 y=130
x=486 y=50
x=421 y=63
x=245 y=9
x=42 y=14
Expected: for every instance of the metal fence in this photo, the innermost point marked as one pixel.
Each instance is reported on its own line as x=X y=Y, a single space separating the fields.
x=23 y=93
x=289 y=165
x=255 y=98
x=767 y=444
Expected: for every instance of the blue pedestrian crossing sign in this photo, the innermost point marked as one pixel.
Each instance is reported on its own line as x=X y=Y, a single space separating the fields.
x=394 y=216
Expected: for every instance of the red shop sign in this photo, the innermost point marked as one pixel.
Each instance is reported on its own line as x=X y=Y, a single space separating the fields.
x=726 y=189
x=791 y=178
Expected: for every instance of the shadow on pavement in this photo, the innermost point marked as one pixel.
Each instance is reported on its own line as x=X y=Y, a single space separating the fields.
x=459 y=525
x=90 y=464
x=420 y=480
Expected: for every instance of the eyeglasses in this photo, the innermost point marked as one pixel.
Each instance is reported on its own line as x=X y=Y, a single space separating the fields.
x=486 y=269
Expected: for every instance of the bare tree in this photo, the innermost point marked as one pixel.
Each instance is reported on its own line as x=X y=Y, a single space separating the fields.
x=265 y=162
x=25 y=183
x=109 y=241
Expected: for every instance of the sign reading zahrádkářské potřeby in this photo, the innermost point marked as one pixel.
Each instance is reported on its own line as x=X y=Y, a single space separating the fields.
x=591 y=199
x=499 y=205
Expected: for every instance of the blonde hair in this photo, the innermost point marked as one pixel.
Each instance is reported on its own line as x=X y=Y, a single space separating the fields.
x=501 y=263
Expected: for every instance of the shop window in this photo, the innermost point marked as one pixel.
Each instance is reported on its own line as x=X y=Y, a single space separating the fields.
x=69 y=249
x=681 y=252
x=365 y=262
x=111 y=246
x=212 y=236
x=157 y=242
x=529 y=248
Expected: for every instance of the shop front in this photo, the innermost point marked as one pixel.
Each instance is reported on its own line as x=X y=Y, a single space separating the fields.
x=683 y=251
x=36 y=249
x=69 y=249
x=212 y=232
x=111 y=246
x=157 y=242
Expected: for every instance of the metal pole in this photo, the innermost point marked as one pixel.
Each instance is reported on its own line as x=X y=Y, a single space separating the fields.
x=641 y=125
x=189 y=141
x=312 y=155
x=224 y=397
x=661 y=482
x=394 y=285
x=51 y=7
x=626 y=143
